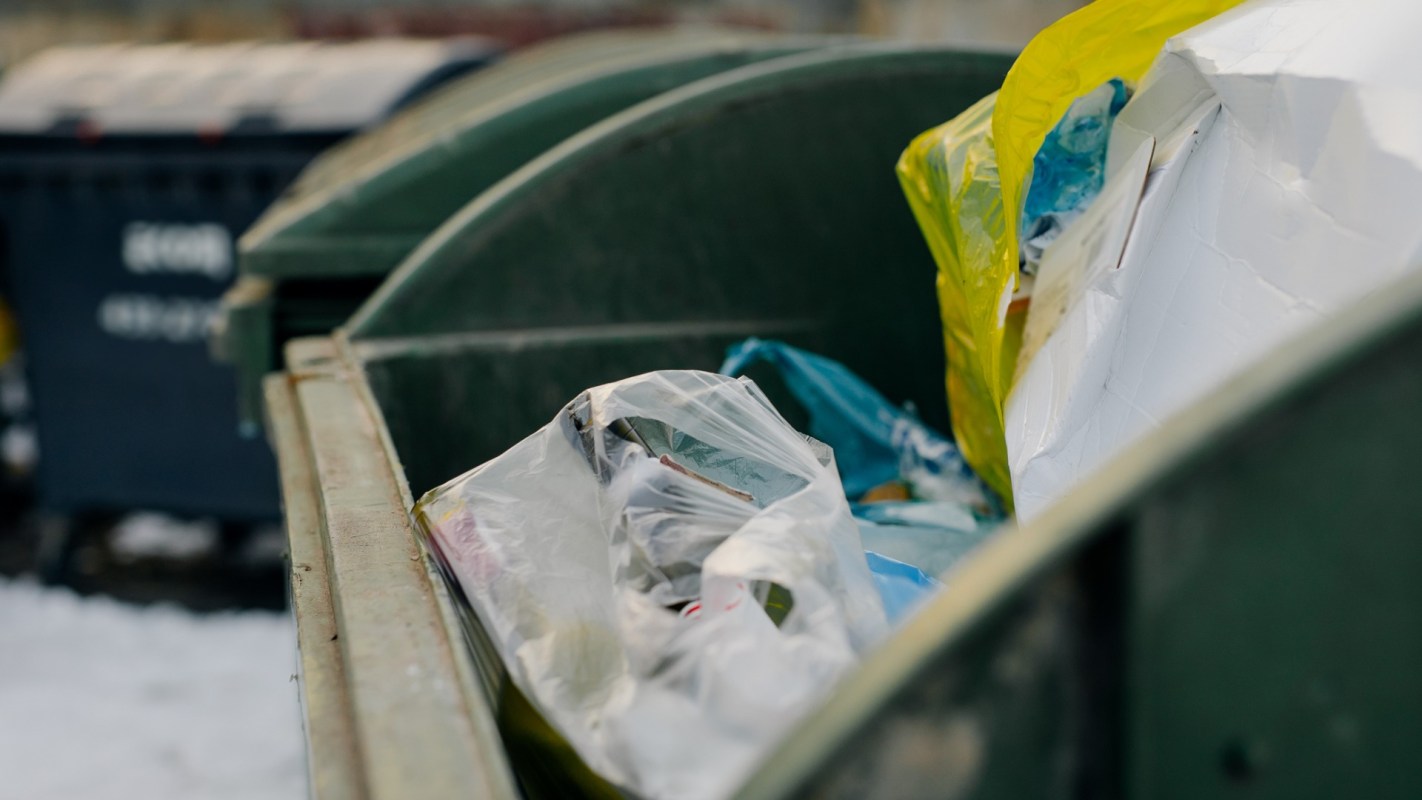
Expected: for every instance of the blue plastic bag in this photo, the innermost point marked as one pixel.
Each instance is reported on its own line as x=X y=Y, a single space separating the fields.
x=931 y=536
x=901 y=586
x=874 y=441
x=1069 y=169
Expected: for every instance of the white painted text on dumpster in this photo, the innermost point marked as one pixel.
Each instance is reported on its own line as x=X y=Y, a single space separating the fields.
x=147 y=317
x=160 y=247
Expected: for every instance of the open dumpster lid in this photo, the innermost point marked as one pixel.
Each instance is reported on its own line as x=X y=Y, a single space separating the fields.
x=249 y=87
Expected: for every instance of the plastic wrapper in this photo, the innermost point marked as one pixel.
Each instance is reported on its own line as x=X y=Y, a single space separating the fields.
x=951 y=179
x=874 y=441
x=966 y=181
x=670 y=573
x=920 y=507
x=903 y=587
x=1069 y=170
x=932 y=537
x=1261 y=180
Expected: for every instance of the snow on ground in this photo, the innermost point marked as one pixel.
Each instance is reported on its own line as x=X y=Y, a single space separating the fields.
x=101 y=700
x=149 y=535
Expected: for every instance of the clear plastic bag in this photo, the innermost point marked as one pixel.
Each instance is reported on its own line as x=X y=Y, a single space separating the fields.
x=669 y=571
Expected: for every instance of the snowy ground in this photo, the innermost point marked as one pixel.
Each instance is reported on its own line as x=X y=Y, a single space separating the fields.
x=102 y=700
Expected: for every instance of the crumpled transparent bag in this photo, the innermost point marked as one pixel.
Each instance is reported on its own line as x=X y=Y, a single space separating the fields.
x=966 y=180
x=670 y=573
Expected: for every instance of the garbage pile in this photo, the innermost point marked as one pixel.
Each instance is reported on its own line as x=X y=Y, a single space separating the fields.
x=919 y=506
x=1159 y=195
x=1258 y=180
x=669 y=571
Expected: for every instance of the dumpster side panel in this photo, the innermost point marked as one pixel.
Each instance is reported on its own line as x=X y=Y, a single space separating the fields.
x=419 y=733
x=118 y=267
x=1276 y=637
x=333 y=759
x=433 y=183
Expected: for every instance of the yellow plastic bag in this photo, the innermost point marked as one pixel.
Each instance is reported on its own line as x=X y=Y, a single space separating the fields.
x=966 y=180
x=9 y=333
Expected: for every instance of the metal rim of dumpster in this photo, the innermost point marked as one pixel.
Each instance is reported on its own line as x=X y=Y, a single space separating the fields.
x=1012 y=561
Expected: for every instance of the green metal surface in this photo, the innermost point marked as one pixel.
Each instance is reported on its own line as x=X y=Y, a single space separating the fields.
x=757 y=202
x=393 y=708
x=333 y=757
x=362 y=207
x=1230 y=609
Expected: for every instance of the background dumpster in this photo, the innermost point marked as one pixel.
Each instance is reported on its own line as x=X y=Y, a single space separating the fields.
x=356 y=212
x=758 y=201
x=126 y=174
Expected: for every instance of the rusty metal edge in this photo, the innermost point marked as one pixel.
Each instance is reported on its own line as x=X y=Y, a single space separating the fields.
x=420 y=728
x=333 y=762
x=480 y=688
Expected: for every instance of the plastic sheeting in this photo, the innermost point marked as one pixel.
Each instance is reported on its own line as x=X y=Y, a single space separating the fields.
x=966 y=180
x=669 y=571
x=1263 y=177
x=874 y=441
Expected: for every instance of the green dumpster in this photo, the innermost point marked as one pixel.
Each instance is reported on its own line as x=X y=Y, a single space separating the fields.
x=1214 y=616
x=357 y=211
x=759 y=201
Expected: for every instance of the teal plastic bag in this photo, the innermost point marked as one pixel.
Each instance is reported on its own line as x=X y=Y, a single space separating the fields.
x=1069 y=170
x=874 y=441
x=906 y=542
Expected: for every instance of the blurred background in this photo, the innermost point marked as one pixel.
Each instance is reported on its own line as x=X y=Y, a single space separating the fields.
x=32 y=25
x=139 y=139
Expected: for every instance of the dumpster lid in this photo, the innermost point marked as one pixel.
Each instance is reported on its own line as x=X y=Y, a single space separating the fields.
x=479 y=118
x=248 y=87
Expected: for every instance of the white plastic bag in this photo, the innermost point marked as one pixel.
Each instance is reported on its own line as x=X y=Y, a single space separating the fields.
x=630 y=561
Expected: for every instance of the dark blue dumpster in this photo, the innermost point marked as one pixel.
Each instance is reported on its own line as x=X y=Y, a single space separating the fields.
x=126 y=176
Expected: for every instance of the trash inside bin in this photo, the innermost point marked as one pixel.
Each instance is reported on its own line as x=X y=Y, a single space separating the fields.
x=966 y=182
x=670 y=573
x=361 y=208
x=1209 y=264
x=127 y=174
x=684 y=225
x=1151 y=294
x=916 y=500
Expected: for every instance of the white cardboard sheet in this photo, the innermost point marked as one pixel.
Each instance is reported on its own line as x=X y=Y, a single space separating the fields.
x=1284 y=185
